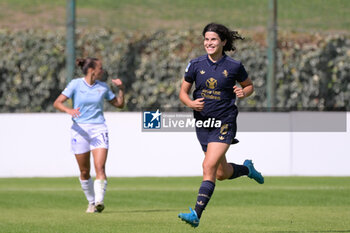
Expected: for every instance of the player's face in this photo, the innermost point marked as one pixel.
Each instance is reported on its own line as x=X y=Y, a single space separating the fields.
x=213 y=44
x=98 y=70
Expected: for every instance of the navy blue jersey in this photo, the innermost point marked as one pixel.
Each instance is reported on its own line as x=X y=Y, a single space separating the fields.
x=214 y=82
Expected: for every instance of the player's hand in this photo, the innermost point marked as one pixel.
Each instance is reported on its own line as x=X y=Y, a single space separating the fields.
x=198 y=104
x=239 y=92
x=74 y=112
x=118 y=83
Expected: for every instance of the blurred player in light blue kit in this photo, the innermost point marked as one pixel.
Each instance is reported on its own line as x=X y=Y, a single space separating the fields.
x=89 y=132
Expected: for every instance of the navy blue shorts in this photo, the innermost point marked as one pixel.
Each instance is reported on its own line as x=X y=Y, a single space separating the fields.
x=225 y=134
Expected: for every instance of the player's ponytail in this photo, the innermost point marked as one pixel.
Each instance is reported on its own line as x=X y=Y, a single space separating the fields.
x=224 y=34
x=86 y=63
x=80 y=62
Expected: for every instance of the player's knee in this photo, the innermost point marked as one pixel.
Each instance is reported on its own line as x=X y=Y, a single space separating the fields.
x=220 y=175
x=100 y=170
x=208 y=168
x=85 y=174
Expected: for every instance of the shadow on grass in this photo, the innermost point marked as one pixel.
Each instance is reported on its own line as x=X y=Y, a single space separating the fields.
x=142 y=211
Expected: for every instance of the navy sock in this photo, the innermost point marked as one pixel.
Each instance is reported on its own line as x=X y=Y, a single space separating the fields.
x=204 y=194
x=238 y=170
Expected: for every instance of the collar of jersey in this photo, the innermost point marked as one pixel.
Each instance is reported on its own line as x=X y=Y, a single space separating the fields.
x=218 y=62
x=88 y=84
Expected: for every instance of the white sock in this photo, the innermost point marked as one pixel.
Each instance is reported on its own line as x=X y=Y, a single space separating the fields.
x=100 y=190
x=88 y=188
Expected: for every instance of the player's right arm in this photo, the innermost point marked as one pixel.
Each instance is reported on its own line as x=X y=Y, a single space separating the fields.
x=58 y=104
x=197 y=104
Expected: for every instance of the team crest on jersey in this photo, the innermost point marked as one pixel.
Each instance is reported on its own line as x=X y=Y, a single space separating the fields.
x=202 y=72
x=211 y=83
x=225 y=73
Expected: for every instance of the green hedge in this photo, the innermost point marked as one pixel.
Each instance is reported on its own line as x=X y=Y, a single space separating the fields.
x=311 y=74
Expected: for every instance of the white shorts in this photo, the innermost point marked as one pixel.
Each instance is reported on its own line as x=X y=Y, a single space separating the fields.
x=86 y=137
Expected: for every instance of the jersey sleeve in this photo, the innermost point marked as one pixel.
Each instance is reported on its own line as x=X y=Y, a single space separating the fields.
x=69 y=90
x=189 y=73
x=242 y=74
x=109 y=94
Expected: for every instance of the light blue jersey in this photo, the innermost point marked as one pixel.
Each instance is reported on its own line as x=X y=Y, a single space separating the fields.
x=89 y=98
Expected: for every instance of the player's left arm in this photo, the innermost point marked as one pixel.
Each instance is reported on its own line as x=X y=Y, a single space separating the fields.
x=245 y=90
x=118 y=101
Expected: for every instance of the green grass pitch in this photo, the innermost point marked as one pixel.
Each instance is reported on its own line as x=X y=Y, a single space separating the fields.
x=282 y=204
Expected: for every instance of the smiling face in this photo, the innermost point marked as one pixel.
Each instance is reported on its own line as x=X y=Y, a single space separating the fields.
x=213 y=44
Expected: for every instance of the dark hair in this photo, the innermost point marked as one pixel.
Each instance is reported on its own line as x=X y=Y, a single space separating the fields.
x=86 y=63
x=224 y=34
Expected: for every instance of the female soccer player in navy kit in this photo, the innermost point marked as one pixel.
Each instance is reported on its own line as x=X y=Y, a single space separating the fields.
x=89 y=131
x=215 y=76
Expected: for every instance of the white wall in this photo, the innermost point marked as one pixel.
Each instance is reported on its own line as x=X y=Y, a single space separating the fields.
x=39 y=145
